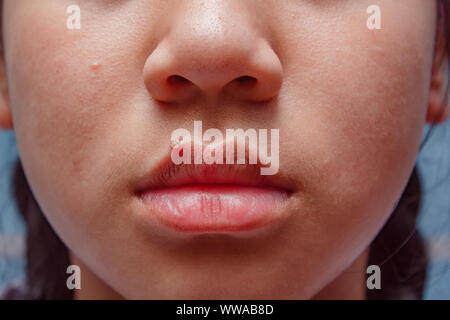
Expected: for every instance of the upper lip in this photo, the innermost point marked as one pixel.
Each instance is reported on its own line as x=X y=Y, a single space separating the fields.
x=168 y=175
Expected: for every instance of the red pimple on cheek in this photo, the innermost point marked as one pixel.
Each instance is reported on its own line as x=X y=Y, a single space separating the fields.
x=95 y=66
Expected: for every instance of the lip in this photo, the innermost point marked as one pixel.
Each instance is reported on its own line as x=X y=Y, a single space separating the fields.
x=198 y=199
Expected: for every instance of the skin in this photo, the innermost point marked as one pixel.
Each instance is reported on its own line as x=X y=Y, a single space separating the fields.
x=91 y=118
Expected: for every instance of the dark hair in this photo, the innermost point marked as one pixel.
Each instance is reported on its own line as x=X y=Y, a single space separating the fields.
x=47 y=257
x=398 y=249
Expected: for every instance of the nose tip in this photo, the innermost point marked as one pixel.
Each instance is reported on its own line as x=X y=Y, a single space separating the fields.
x=184 y=66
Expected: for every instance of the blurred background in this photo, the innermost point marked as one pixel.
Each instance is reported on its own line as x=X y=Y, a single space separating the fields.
x=434 y=218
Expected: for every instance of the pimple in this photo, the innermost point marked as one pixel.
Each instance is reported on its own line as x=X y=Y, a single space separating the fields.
x=95 y=66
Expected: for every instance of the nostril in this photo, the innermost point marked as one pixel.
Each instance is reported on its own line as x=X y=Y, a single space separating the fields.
x=177 y=80
x=246 y=80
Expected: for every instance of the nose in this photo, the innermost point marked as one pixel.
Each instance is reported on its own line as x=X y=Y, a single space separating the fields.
x=211 y=50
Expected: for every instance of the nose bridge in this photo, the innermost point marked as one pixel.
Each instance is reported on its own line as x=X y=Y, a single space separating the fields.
x=209 y=45
x=210 y=21
x=213 y=37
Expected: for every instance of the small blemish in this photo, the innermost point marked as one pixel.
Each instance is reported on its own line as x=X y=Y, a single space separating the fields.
x=95 y=66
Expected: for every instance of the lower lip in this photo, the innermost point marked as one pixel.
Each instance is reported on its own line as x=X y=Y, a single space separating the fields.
x=215 y=209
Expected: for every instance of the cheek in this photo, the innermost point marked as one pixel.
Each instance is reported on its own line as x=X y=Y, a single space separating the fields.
x=358 y=101
x=65 y=95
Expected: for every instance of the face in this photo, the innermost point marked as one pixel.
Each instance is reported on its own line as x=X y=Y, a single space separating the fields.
x=93 y=111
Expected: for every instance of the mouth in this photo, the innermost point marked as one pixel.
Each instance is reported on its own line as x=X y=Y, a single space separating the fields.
x=199 y=199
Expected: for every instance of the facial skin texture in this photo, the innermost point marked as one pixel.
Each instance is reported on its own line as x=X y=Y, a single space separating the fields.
x=91 y=117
